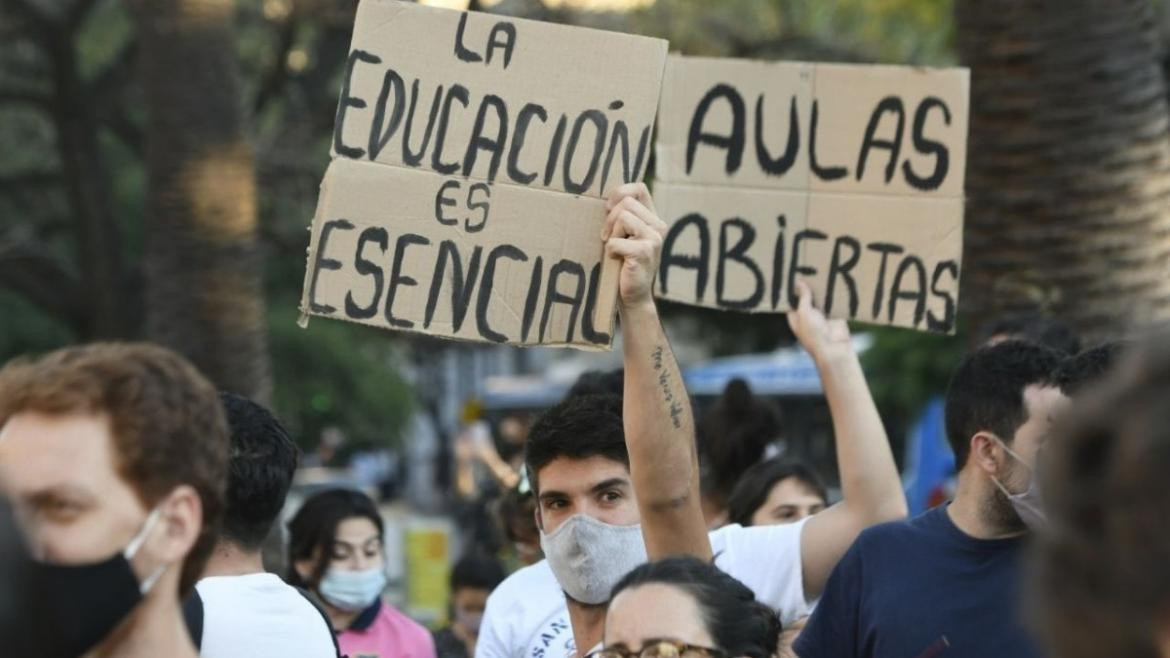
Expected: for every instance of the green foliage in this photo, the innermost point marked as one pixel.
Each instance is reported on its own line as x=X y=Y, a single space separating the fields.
x=25 y=330
x=336 y=374
x=889 y=31
x=907 y=368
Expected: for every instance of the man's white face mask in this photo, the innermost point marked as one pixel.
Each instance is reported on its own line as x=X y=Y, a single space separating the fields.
x=589 y=557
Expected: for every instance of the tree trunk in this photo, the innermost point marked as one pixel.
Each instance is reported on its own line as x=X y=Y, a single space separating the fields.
x=1069 y=162
x=204 y=295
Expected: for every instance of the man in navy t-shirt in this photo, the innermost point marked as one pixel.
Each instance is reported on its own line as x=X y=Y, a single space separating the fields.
x=947 y=583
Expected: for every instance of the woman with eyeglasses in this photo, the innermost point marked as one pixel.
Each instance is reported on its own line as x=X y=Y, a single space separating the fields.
x=680 y=607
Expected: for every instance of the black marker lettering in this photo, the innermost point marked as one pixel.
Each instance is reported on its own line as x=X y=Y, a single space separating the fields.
x=894 y=146
x=778 y=262
x=777 y=166
x=484 y=205
x=461 y=51
x=378 y=138
x=948 y=319
x=397 y=279
x=533 y=295
x=918 y=294
x=348 y=101
x=554 y=150
x=461 y=287
x=323 y=263
x=526 y=113
x=442 y=200
x=588 y=331
x=688 y=262
x=415 y=159
x=928 y=147
x=841 y=267
x=602 y=125
x=459 y=93
x=485 y=289
x=733 y=142
x=380 y=237
x=737 y=253
x=494 y=145
x=795 y=268
x=503 y=36
x=823 y=173
x=879 y=291
x=555 y=296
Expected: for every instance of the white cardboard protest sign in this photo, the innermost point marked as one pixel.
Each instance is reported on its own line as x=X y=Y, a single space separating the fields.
x=470 y=156
x=850 y=176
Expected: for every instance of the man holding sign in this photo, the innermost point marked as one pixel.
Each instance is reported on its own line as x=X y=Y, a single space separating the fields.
x=618 y=485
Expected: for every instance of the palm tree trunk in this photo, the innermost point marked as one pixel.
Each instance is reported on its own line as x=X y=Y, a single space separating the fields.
x=1068 y=170
x=204 y=295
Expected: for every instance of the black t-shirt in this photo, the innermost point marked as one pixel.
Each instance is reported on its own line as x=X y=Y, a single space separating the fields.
x=921 y=589
x=448 y=644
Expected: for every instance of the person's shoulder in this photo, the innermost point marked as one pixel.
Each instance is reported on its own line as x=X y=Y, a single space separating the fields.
x=900 y=531
x=389 y=614
x=730 y=536
x=529 y=583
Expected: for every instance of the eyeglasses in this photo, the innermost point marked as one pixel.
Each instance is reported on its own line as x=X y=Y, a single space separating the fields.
x=659 y=649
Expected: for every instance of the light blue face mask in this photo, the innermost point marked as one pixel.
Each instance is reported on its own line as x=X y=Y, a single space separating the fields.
x=352 y=591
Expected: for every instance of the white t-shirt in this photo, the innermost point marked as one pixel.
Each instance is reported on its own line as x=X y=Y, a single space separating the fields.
x=526 y=616
x=259 y=615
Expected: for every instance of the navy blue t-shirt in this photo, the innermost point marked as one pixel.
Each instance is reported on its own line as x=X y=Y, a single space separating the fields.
x=921 y=588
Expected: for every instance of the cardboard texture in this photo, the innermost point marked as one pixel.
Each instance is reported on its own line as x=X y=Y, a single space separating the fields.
x=881 y=176
x=471 y=154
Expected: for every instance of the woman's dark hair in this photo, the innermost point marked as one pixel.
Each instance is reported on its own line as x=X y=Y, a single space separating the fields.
x=733 y=435
x=313 y=530
x=739 y=624
x=753 y=488
x=515 y=513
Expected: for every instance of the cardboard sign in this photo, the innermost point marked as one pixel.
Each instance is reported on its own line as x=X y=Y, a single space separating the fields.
x=848 y=176
x=470 y=156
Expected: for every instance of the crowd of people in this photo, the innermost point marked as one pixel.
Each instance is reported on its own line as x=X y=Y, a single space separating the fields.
x=137 y=501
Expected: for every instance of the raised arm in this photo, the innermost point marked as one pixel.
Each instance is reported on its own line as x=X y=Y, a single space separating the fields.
x=870 y=486
x=659 y=428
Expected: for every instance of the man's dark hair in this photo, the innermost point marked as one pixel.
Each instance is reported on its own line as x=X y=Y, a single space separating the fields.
x=753 y=488
x=739 y=624
x=477 y=571
x=599 y=382
x=1037 y=328
x=1101 y=576
x=578 y=427
x=1082 y=371
x=986 y=392
x=261 y=462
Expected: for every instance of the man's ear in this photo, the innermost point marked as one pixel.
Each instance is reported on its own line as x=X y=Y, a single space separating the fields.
x=180 y=520
x=983 y=447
